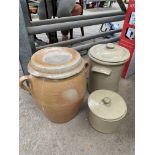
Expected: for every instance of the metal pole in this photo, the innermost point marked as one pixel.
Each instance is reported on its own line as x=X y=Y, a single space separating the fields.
x=29 y=10
x=54 y=8
x=30 y=16
x=75 y=18
x=25 y=50
x=70 y=25
x=121 y=4
x=25 y=12
x=47 y=16
x=77 y=40
x=87 y=46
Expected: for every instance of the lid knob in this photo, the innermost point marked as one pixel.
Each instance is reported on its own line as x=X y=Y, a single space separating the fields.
x=106 y=100
x=110 y=46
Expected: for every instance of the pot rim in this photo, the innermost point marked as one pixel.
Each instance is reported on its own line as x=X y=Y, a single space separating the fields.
x=42 y=75
x=49 y=63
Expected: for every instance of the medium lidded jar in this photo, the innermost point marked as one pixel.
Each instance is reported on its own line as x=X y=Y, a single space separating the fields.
x=57 y=82
x=106 y=65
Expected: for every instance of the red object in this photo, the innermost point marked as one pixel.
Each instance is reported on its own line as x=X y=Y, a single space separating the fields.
x=127 y=38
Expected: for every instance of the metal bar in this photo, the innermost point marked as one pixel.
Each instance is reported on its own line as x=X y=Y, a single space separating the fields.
x=29 y=10
x=54 y=8
x=25 y=51
x=27 y=1
x=77 y=40
x=75 y=18
x=25 y=12
x=70 y=25
x=46 y=11
x=87 y=46
x=122 y=6
x=47 y=16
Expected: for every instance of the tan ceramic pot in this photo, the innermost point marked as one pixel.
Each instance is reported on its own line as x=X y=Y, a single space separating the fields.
x=57 y=82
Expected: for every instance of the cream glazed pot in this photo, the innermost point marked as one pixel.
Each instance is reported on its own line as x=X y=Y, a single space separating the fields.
x=106 y=110
x=57 y=82
x=106 y=65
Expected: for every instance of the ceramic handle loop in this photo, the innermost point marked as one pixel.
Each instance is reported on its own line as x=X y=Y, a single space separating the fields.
x=21 y=83
x=102 y=70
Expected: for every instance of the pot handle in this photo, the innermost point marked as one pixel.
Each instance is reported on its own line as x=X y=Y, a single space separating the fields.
x=22 y=85
x=102 y=70
x=86 y=66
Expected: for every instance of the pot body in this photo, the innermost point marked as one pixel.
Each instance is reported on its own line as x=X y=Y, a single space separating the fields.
x=104 y=76
x=106 y=110
x=102 y=125
x=60 y=100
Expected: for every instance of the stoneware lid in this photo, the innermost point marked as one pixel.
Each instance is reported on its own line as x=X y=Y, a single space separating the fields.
x=107 y=105
x=55 y=63
x=110 y=53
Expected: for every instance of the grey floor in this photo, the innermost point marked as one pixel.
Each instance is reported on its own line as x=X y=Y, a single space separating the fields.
x=39 y=136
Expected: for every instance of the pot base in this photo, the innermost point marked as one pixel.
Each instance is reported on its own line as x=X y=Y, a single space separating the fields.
x=102 y=125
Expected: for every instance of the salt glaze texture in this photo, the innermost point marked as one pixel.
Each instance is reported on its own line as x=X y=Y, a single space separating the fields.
x=57 y=82
x=59 y=100
x=71 y=94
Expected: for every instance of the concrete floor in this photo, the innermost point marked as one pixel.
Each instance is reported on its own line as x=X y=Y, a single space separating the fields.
x=39 y=136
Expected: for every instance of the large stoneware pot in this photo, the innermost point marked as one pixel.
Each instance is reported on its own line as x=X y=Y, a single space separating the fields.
x=57 y=82
x=106 y=65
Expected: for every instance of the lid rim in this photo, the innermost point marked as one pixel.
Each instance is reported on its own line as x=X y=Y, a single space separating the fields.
x=106 y=62
x=110 y=120
x=117 y=54
x=51 y=70
x=114 y=111
x=56 y=65
x=56 y=76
